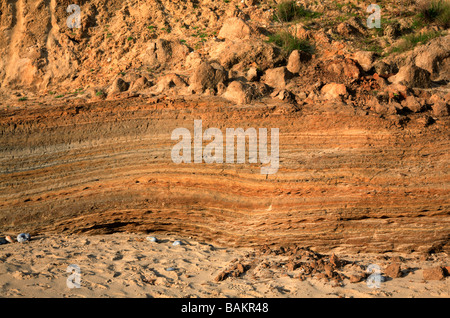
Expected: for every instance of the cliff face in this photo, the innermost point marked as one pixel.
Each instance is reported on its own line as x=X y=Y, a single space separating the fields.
x=346 y=178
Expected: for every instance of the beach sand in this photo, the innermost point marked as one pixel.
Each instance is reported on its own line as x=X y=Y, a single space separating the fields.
x=128 y=265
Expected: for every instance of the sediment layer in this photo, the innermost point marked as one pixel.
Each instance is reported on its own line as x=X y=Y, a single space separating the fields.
x=346 y=178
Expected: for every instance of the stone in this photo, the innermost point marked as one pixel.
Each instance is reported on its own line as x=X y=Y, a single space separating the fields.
x=412 y=76
x=118 y=86
x=439 y=106
x=342 y=70
x=277 y=77
x=412 y=104
x=238 y=92
x=365 y=59
x=170 y=81
x=356 y=278
x=207 y=76
x=393 y=271
x=252 y=74
x=139 y=84
x=434 y=57
x=434 y=273
x=234 y=29
x=333 y=91
x=296 y=60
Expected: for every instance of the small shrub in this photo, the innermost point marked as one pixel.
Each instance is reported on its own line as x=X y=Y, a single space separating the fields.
x=435 y=11
x=411 y=40
x=288 y=11
x=22 y=99
x=289 y=43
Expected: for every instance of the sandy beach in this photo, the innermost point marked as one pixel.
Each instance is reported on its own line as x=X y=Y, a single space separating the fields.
x=129 y=265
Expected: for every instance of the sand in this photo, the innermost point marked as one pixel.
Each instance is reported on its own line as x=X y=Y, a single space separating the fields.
x=127 y=265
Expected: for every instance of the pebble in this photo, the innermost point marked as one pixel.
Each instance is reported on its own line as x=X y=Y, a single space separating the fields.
x=176 y=243
x=23 y=237
x=9 y=239
x=152 y=239
x=170 y=269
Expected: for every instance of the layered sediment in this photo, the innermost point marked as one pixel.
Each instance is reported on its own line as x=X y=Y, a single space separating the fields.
x=346 y=177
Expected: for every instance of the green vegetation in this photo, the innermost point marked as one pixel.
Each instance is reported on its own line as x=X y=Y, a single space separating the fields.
x=289 y=43
x=411 y=40
x=60 y=96
x=436 y=11
x=22 y=99
x=99 y=93
x=130 y=38
x=288 y=11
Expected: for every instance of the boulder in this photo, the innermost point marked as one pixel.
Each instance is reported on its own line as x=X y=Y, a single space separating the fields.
x=333 y=91
x=239 y=93
x=434 y=57
x=277 y=77
x=296 y=60
x=412 y=76
x=207 y=76
x=234 y=29
x=118 y=86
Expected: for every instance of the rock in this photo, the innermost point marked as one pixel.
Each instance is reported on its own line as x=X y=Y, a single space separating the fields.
x=207 y=76
x=365 y=59
x=382 y=68
x=162 y=52
x=170 y=81
x=139 y=84
x=240 y=268
x=397 y=91
x=434 y=57
x=356 y=278
x=238 y=93
x=234 y=29
x=440 y=107
x=296 y=60
x=447 y=270
x=252 y=74
x=118 y=86
x=412 y=104
x=277 y=77
x=412 y=76
x=152 y=239
x=393 y=270
x=342 y=70
x=335 y=261
x=23 y=237
x=9 y=239
x=176 y=243
x=434 y=273
x=222 y=276
x=241 y=55
x=346 y=29
x=333 y=91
